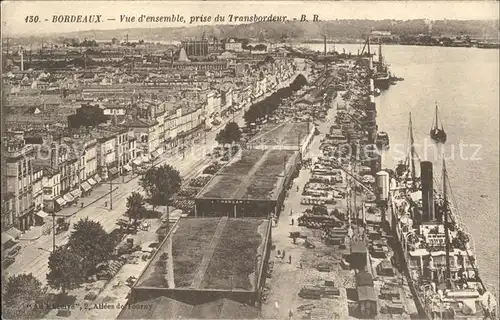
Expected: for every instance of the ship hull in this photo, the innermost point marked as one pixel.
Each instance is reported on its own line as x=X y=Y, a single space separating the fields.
x=438 y=135
x=381 y=83
x=419 y=303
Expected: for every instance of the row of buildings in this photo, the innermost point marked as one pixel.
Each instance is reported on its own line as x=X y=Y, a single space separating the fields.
x=150 y=110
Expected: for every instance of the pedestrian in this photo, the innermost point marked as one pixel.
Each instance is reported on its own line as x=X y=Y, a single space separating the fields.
x=290 y=259
x=291 y=212
x=297 y=188
x=283 y=255
x=290 y=315
x=292 y=221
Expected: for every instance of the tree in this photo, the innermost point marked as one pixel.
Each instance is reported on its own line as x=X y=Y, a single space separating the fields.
x=21 y=292
x=65 y=269
x=87 y=116
x=260 y=47
x=22 y=286
x=135 y=206
x=91 y=242
x=221 y=136
x=229 y=134
x=160 y=184
x=233 y=132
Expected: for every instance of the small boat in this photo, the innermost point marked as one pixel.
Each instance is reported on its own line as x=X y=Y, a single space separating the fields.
x=394 y=78
x=382 y=141
x=438 y=134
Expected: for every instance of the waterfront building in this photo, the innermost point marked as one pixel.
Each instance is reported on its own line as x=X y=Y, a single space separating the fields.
x=7 y=211
x=38 y=190
x=106 y=154
x=233 y=45
x=197 y=48
x=146 y=132
x=194 y=288
x=51 y=182
x=19 y=159
x=89 y=160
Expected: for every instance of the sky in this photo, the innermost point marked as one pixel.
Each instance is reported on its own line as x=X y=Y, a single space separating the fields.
x=15 y=13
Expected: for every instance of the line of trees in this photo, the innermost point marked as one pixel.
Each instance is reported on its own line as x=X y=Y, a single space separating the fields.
x=73 y=42
x=267 y=106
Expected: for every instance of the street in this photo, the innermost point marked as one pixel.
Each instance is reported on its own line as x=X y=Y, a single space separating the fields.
x=34 y=255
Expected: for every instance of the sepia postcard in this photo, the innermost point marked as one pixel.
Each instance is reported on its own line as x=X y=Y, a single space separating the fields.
x=250 y=159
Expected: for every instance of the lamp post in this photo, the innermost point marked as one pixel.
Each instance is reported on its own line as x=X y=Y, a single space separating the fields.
x=110 y=190
x=54 y=215
x=299 y=145
x=183 y=147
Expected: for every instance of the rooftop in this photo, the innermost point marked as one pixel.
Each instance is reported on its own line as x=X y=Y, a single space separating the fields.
x=208 y=253
x=254 y=175
x=286 y=134
x=139 y=123
x=159 y=308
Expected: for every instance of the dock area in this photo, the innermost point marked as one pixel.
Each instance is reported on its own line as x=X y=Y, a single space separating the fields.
x=329 y=239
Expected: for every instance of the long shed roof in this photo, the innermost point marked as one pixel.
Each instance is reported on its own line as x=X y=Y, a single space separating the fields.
x=253 y=175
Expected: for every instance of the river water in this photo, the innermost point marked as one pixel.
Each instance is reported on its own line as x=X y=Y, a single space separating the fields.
x=465 y=84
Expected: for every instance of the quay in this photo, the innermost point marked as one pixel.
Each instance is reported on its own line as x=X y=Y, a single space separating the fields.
x=282 y=205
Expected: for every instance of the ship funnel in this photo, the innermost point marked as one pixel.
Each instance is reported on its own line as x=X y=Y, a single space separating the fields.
x=427 y=191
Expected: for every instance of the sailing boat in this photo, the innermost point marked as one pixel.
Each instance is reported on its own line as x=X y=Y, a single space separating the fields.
x=438 y=134
x=406 y=169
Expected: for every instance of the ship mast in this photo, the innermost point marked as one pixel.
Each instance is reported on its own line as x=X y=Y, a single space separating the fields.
x=412 y=156
x=380 y=59
x=368 y=44
x=446 y=235
x=436 y=125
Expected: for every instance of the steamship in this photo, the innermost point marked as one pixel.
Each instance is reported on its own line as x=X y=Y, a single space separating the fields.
x=435 y=250
x=380 y=73
x=382 y=76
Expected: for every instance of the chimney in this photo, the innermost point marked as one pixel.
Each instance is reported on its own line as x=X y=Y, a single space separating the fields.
x=324 y=39
x=427 y=191
x=22 y=59
x=153 y=109
x=54 y=155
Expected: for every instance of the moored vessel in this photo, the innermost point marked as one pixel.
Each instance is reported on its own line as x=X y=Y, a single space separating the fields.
x=435 y=248
x=381 y=78
x=437 y=133
x=382 y=141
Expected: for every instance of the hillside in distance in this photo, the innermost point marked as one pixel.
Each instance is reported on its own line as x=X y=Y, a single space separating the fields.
x=294 y=30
